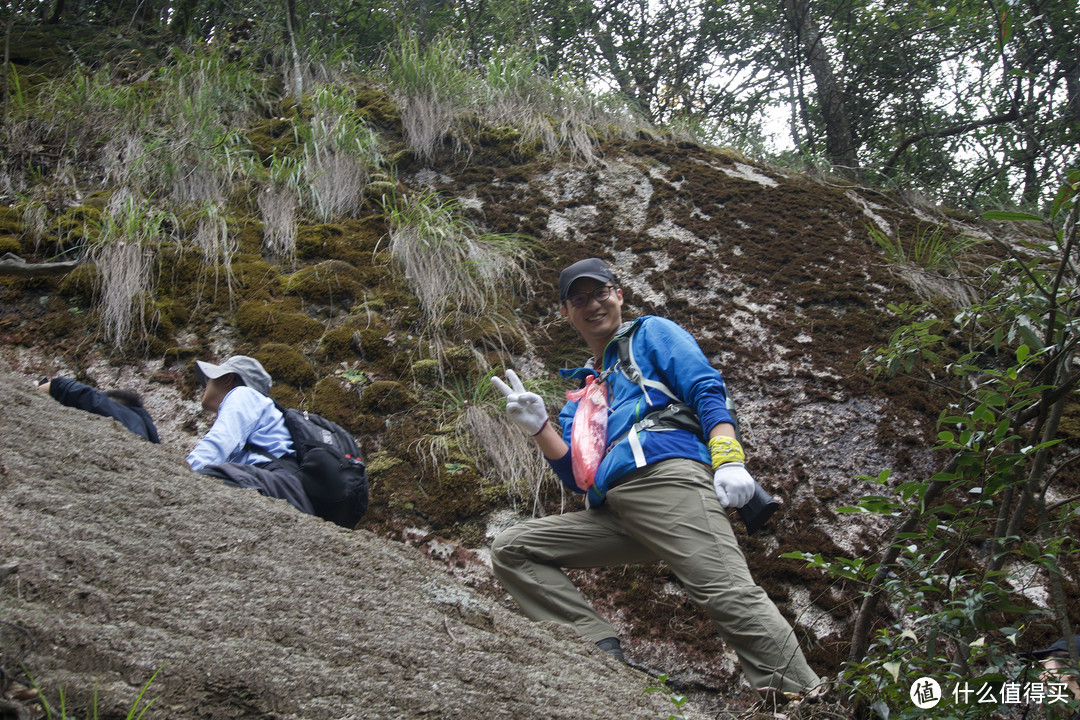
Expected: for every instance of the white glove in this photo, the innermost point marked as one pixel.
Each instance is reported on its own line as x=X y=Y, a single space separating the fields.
x=734 y=486
x=524 y=408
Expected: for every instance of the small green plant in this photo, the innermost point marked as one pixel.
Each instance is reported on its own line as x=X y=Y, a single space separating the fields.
x=136 y=712
x=676 y=699
x=355 y=376
x=933 y=248
x=461 y=392
x=16 y=100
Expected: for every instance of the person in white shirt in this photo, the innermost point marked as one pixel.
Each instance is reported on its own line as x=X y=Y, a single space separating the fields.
x=248 y=445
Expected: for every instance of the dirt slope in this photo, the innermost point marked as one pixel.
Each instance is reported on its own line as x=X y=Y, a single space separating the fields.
x=128 y=563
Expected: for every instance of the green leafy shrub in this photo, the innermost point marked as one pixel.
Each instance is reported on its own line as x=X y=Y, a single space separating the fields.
x=946 y=599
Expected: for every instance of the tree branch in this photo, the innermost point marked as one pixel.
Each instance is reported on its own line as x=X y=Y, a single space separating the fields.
x=959 y=129
x=11 y=264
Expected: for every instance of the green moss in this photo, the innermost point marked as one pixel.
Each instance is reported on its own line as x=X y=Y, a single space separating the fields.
x=254 y=276
x=402 y=309
x=83 y=283
x=460 y=360
x=10 y=244
x=249 y=240
x=381 y=463
x=455 y=496
x=354 y=241
x=386 y=396
x=451 y=488
x=487 y=331
x=181 y=354
x=272 y=136
x=160 y=321
x=179 y=272
x=376 y=106
x=85 y=213
x=337 y=345
x=99 y=200
x=385 y=349
x=10 y=220
x=274 y=322
x=328 y=283
x=312 y=241
x=372 y=305
x=287 y=395
x=394 y=489
x=334 y=401
x=362 y=317
x=426 y=372
x=286 y=365
x=71 y=229
x=176 y=312
x=503 y=145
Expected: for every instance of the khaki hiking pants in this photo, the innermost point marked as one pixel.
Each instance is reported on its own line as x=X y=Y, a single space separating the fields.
x=665 y=511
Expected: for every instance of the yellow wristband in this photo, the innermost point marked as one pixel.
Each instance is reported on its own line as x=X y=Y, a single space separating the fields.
x=724 y=450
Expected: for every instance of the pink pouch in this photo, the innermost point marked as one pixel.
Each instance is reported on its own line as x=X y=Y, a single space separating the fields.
x=588 y=438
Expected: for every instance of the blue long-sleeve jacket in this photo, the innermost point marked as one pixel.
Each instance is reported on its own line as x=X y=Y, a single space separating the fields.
x=667 y=353
x=74 y=394
x=244 y=417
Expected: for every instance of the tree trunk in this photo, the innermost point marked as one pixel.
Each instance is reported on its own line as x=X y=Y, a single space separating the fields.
x=57 y=13
x=839 y=142
x=291 y=25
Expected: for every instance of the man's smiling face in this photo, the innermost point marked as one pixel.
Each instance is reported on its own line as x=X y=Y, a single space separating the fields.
x=597 y=320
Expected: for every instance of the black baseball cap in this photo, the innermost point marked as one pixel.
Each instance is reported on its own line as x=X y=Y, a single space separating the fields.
x=594 y=268
x=1058 y=647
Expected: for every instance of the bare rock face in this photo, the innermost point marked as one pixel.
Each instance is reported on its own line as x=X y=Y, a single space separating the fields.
x=127 y=562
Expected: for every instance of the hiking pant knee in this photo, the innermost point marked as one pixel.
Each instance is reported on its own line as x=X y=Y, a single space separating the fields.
x=528 y=559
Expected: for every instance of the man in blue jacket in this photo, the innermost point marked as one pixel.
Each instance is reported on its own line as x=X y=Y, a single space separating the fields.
x=659 y=493
x=124 y=406
x=248 y=445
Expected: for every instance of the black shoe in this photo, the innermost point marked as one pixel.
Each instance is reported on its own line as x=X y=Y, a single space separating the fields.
x=612 y=647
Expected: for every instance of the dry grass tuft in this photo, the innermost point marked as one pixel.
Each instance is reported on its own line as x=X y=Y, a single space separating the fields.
x=506 y=455
x=430 y=86
x=340 y=150
x=279 y=202
x=449 y=263
x=277 y=207
x=447 y=260
x=218 y=246
x=124 y=253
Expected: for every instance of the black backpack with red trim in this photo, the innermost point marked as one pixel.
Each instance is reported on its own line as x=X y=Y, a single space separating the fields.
x=332 y=470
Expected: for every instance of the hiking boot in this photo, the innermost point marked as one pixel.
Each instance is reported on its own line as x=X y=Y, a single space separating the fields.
x=772 y=698
x=612 y=647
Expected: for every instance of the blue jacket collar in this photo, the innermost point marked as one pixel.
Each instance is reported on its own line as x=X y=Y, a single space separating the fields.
x=590 y=365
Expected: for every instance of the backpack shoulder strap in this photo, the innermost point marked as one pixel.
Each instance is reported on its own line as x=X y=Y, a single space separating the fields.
x=627 y=365
x=624 y=346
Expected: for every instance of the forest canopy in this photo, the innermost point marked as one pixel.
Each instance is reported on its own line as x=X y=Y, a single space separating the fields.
x=971 y=104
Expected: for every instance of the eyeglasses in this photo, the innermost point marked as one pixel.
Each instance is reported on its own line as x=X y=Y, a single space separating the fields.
x=600 y=294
